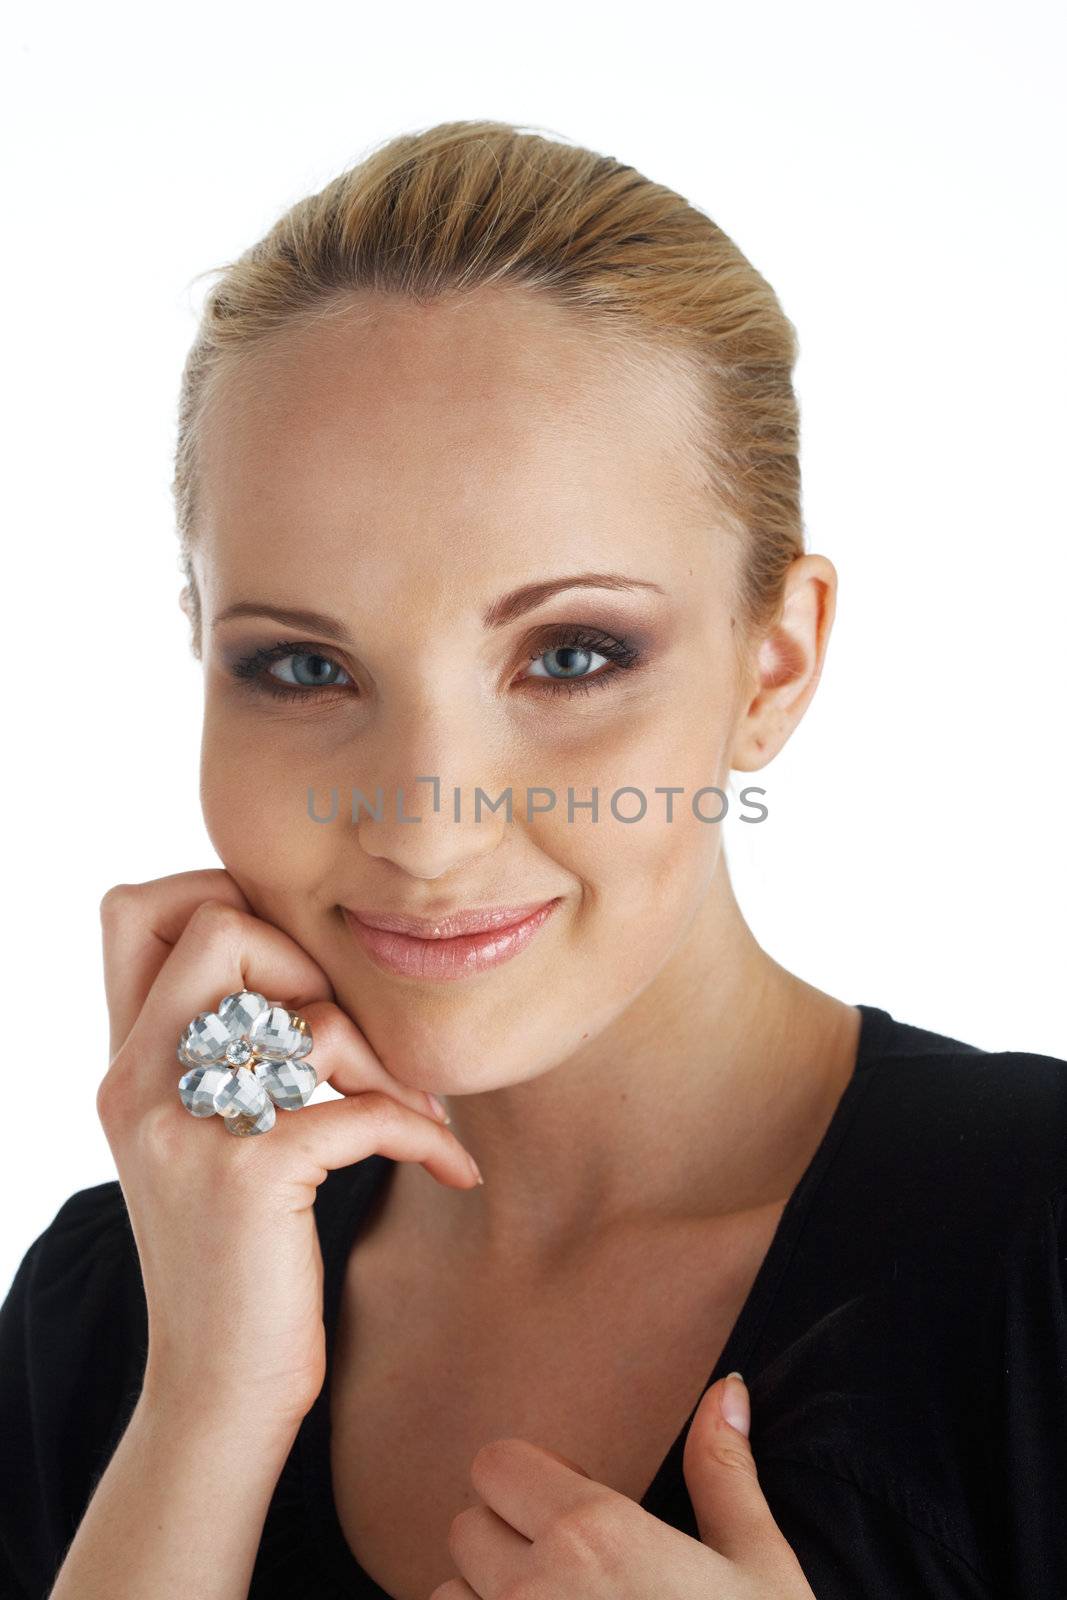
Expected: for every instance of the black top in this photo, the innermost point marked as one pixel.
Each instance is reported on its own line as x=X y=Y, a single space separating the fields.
x=904 y=1342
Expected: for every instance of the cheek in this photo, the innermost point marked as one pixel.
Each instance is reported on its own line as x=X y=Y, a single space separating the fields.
x=255 y=806
x=671 y=745
x=643 y=881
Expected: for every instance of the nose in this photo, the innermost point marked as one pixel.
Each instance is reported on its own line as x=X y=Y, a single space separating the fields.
x=426 y=817
x=423 y=841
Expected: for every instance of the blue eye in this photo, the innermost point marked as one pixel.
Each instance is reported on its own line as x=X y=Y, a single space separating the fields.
x=315 y=672
x=290 y=671
x=573 y=666
x=575 y=649
x=303 y=670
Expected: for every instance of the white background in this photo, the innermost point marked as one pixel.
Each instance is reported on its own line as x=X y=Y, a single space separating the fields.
x=894 y=171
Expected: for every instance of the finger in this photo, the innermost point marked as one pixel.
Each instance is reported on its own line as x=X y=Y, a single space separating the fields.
x=219 y=951
x=316 y=1139
x=141 y=924
x=486 y=1549
x=530 y=1487
x=719 y=1468
x=567 y=1462
x=343 y=1058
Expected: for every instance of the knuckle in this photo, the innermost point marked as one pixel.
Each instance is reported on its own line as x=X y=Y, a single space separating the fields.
x=114 y=1097
x=106 y=1098
x=216 y=921
x=375 y=1105
x=161 y=1135
x=590 y=1536
x=117 y=900
x=735 y=1458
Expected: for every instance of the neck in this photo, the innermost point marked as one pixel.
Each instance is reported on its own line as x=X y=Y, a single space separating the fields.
x=706 y=1098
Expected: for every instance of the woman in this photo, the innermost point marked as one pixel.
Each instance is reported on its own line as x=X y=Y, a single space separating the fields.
x=487 y=480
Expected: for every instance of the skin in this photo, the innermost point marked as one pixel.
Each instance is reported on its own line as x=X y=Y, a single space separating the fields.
x=400 y=467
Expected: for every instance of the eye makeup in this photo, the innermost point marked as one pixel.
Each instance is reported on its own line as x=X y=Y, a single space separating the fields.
x=251 y=670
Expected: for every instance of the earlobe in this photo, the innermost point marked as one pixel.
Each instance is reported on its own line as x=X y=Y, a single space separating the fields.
x=782 y=672
x=750 y=752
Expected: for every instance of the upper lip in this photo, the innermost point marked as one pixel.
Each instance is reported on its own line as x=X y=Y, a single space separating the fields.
x=451 y=924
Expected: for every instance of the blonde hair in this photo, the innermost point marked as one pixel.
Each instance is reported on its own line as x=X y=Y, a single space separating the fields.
x=466 y=205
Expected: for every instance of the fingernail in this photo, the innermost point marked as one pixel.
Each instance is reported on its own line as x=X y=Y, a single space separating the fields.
x=474 y=1167
x=438 y=1109
x=734 y=1403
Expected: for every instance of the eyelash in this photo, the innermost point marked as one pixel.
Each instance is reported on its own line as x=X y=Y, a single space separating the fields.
x=251 y=670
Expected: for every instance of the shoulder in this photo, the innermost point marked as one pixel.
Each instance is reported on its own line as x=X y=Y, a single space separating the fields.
x=947 y=1150
x=89 y=1242
x=918 y=1372
x=74 y=1320
x=73 y=1343
x=87 y=1214
x=88 y=1237
x=989 y=1126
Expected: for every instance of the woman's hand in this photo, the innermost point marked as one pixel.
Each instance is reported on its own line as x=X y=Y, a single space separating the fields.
x=547 y=1529
x=224 y=1226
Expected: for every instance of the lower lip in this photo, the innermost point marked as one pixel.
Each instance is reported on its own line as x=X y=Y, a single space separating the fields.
x=444 y=959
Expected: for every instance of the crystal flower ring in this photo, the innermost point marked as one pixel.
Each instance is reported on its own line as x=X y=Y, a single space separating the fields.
x=243 y=1059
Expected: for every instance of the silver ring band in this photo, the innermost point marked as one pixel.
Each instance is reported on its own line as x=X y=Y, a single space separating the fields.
x=243 y=1059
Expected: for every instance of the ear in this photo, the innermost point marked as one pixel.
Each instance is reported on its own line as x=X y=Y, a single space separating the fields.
x=188 y=605
x=787 y=663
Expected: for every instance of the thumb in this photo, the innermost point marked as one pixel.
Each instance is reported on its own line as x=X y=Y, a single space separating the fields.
x=720 y=1473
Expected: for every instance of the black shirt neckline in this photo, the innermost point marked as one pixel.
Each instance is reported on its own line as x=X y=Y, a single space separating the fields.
x=352 y=1192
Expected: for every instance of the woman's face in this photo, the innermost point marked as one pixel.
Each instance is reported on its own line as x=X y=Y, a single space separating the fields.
x=401 y=469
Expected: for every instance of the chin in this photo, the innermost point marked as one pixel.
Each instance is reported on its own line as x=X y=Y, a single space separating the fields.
x=469 y=1061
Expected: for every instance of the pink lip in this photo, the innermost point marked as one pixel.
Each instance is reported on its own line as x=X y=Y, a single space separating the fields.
x=484 y=919
x=450 y=950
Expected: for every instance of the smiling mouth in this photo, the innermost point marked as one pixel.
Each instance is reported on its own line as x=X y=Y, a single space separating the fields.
x=444 y=951
x=483 y=919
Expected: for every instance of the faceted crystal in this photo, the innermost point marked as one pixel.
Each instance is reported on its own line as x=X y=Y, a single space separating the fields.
x=199 y=1087
x=205 y=1039
x=242 y=1094
x=290 y=1084
x=238 y=1052
x=242 y=1124
x=273 y=1036
x=239 y=1011
x=304 y=1047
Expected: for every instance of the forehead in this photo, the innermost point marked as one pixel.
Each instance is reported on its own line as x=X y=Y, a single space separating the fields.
x=496 y=423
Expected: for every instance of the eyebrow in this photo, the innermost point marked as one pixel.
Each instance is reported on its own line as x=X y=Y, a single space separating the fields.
x=497 y=615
